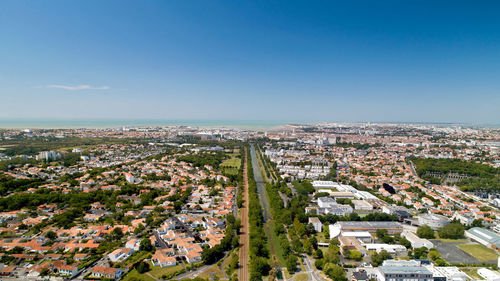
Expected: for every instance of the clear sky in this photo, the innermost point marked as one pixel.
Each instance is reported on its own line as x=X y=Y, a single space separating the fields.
x=427 y=61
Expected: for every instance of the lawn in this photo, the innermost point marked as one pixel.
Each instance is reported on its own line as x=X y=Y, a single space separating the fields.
x=320 y=236
x=158 y=272
x=212 y=271
x=275 y=241
x=134 y=275
x=135 y=257
x=478 y=251
x=453 y=240
x=232 y=162
x=301 y=277
x=231 y=166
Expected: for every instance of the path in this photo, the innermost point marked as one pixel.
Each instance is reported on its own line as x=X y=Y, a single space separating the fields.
x=149 y=274
x=244 y=237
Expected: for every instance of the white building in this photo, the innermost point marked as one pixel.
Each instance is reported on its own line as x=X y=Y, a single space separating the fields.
x=362 y=205
x=488 y=274
x=483 y=236
x=449 y=273
x=463 y=218
x=318 y=226
x=326 y=202
x=325 y=184
x=435 y=221
x=417 y=242
x=392 y=249
x=129 y=177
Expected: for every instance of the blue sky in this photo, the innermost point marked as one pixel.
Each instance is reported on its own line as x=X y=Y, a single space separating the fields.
x=425 y=61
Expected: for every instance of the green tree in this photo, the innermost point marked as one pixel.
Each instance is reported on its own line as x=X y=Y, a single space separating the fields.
x=403 y=241
x=335 y=272
x=355 y=255
x=452 y=231
x=291 y=263
x=51 y=235
x=379 y=258
x=146 y=245
x=425 y=231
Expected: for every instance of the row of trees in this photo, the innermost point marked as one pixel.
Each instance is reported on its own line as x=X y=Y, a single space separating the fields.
x=453 y=230
x=482 y=176
x=258 y=252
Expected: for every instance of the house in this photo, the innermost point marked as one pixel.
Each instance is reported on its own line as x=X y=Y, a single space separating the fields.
x=163 y=260
x=120 y=254
x=133 y=244
x=66 y=269
x=130 y=178
x=106 y=272
x=8 y=271
x=80 y=257
x=318 y=226
x=193 y=256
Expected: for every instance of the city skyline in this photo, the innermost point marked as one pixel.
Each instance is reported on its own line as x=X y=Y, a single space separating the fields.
x=288 y=61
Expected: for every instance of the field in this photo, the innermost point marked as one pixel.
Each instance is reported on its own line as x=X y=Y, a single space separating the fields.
x=158 y=272
x=134 y=275
x=452 y=240
x=231 y=166
x=211 y=272
x=480 y=252
x=274 y=242
x=232 y=162
x=155 y=271
x=301 y=277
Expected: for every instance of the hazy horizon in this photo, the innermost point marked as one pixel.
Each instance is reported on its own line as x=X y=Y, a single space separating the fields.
x=89 y=123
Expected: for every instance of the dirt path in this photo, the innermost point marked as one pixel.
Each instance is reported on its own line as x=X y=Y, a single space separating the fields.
x=244 y=237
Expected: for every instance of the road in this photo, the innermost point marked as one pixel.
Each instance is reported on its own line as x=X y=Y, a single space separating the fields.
x=313 y=274
x=243 y=274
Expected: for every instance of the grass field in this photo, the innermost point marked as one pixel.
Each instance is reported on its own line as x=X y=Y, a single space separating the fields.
x=275 y=241
x=232 y=162
x=231 y=166
x=453 y=240
x=134 y=275
x=301 y=277
x=478 y=251
x=135 y=257
x=157 y=271
x=212 y=271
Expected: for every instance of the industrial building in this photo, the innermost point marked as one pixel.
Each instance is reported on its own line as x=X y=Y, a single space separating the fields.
x=483 y=236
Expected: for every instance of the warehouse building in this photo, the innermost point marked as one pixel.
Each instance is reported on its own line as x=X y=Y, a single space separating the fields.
x=483 y=236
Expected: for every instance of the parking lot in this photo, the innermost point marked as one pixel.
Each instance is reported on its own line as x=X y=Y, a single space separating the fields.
x=452 y=254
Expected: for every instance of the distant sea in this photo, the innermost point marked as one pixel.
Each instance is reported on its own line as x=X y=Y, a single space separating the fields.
x=118 y=123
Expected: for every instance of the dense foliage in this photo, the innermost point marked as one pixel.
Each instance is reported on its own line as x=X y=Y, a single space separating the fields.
x=259 y=253
x=8 y=184
x=481 y=176
x=452 y=230
x=425 y=231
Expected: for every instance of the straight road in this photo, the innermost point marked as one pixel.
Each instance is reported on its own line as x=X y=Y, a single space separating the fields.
x=244 y=237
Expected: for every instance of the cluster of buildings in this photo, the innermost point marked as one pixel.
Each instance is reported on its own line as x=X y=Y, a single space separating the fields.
x=180 y=237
